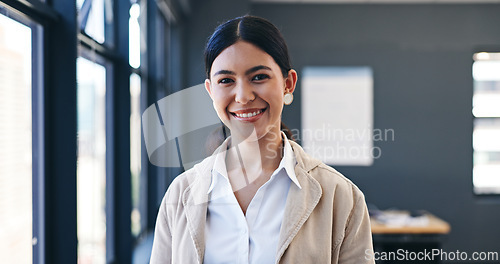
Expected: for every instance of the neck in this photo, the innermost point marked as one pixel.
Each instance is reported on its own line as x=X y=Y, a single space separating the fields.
x=257 y=156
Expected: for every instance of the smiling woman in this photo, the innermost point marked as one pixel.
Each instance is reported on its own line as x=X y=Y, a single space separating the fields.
x=259 y=198
x=248 y=92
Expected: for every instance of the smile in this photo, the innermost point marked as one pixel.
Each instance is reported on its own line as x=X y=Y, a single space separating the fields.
x=249 y=114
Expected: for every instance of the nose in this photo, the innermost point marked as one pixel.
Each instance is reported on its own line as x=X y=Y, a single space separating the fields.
x=244 y=93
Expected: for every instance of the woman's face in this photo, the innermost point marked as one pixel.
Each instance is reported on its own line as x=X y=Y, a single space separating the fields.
x=247 y=88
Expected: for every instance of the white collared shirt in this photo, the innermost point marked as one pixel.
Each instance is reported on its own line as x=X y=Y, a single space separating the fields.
x=232 y=237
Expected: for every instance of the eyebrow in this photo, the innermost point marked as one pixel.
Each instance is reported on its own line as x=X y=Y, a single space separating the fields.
x=224 y=72
x=256 y=68
x=249 y=71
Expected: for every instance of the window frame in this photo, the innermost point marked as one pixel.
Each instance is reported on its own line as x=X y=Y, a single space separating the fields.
x=92 y=56
x=37 y=133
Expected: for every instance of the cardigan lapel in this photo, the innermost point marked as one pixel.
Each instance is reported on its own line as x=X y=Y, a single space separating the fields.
x=196 y=217
x=195 y=201
x=300 y=202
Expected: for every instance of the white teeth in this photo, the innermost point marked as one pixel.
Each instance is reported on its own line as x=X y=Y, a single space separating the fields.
x=249 y=114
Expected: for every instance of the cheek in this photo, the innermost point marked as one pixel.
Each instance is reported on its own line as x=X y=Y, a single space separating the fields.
x=275 y=99
x=220 y=102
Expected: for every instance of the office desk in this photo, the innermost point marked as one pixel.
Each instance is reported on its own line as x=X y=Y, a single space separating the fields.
x=407 y=236
x=434 y=225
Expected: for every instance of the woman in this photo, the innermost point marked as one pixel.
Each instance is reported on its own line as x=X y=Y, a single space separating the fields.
x=259 y=198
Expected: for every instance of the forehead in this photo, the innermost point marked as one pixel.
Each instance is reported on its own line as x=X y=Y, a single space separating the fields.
x=242 y=56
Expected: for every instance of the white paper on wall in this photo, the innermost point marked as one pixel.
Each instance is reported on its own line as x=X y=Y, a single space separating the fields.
x=337 y=114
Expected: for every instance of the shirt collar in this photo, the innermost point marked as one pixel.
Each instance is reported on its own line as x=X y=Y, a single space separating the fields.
x=219 y=165
x=287 y=163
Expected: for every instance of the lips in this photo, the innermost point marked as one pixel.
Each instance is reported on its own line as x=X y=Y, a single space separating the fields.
x=248 y=115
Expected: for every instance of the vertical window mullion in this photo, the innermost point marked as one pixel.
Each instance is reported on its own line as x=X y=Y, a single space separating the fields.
x=60 y=49
x=110 y=167
x=38 y=148
x=121 y=125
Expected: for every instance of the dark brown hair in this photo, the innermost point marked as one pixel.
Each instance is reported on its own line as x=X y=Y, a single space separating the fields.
x=256 y=30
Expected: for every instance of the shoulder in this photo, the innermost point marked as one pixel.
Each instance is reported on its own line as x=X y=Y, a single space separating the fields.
x=180 y=183
x=191 y=184
x=332 y=180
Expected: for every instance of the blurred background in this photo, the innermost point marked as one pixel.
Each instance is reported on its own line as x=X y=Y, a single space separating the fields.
x=76 y=184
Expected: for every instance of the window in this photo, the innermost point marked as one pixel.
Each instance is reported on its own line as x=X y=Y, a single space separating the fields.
x=16 y=208
x=139 y=181
x=134 y=36
x=135 y=154
x=486 y=99
x=91 y=162
x=89 y=204
x=95 y=18
x=97 y=161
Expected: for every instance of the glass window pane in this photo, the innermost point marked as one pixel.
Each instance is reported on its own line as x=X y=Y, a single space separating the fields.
x=91 y=162
x=135 y=151
x=134 y=36
x=486 y=73
x=95 y=16
x=486 y=99
x=486 y=155
x=15 y=141
x=79 y=4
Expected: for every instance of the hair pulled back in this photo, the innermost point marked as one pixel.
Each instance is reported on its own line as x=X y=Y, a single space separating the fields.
x=255 y=30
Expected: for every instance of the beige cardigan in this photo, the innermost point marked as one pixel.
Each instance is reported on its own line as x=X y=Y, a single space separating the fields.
x=325 y=222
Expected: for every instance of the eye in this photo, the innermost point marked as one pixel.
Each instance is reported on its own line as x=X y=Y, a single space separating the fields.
x=260 y=77
x=225 y=81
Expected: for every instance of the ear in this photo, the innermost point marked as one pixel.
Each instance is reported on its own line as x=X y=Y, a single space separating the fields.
x=291 y=81
x=208 y=87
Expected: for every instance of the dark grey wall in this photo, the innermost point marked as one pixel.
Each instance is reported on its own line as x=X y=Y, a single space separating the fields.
x=421 y=56
x=205 y=17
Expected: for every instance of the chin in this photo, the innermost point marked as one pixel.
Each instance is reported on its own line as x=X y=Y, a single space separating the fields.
x=250 y=132
x=244 y=131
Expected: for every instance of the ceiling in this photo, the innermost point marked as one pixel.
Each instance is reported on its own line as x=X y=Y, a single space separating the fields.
x=378 y=1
